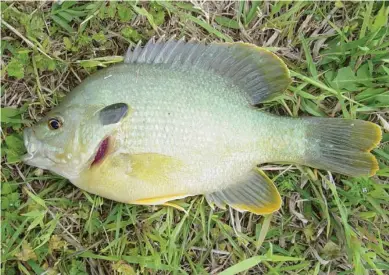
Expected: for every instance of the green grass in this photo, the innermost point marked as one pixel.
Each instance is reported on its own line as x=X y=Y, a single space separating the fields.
x=338 y=54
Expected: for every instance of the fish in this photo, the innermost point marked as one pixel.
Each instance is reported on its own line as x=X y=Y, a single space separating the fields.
x=178 y=119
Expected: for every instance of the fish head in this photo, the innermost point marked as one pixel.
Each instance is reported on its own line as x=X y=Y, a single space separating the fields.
x=70 y=139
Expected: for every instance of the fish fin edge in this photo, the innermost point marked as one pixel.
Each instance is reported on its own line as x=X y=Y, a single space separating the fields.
x=160 y=200
x=342 y=145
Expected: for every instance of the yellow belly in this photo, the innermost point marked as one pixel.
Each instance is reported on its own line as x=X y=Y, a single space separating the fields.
x=139 y=179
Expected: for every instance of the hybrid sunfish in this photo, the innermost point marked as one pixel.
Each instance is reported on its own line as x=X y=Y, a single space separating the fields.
x=178 y=119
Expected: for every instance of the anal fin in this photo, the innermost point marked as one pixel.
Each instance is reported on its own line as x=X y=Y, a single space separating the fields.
x=256 y=194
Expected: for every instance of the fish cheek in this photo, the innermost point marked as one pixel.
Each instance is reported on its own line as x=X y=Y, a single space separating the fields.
x=69 y=150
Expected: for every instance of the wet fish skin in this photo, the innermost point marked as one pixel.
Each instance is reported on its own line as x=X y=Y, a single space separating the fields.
x=181 y=122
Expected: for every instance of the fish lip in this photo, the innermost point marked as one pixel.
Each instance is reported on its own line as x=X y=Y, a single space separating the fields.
x=35 y=155
x=27 y=157
x=31 y=150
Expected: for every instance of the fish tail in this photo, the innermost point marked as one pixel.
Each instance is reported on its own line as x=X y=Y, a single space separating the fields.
x=341 y=145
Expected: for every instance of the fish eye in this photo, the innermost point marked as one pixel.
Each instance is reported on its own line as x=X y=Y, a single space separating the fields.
x=54 y=123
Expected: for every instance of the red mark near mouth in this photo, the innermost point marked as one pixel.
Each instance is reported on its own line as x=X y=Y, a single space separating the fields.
x=100 y=154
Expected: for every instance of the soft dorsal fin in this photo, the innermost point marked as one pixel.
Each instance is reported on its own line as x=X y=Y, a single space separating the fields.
x=259 y=73
x=256 y=194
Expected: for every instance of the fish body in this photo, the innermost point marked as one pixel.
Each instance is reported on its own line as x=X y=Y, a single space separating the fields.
x=177 y=119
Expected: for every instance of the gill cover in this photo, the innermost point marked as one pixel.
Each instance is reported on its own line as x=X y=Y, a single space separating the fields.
x=108 y=116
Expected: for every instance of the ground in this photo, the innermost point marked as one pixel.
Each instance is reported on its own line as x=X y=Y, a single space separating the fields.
x=338 y=54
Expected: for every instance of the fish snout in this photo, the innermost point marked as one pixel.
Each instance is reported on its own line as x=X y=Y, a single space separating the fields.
x=30 y=143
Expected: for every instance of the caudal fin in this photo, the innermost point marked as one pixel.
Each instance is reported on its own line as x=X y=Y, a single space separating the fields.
x=342 y=145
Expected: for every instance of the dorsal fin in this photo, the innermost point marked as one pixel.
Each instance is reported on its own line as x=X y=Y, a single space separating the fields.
x=259 y=73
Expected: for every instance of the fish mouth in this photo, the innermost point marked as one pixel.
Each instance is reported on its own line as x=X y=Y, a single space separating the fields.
x=30 y=145
x=101 y=152
x=35 y=155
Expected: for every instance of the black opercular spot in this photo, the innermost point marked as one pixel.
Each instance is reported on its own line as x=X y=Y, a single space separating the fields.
x=113 y=113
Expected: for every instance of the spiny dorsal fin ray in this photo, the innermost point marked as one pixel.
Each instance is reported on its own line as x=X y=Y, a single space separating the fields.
x=256 y=193
x=258 y=72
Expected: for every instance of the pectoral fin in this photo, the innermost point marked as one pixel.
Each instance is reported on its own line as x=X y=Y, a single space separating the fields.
x=176 y=206
x=256 y=194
